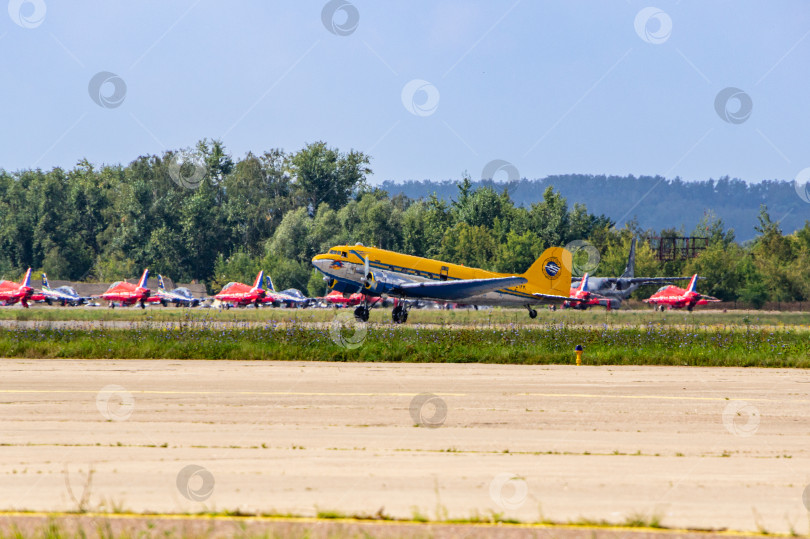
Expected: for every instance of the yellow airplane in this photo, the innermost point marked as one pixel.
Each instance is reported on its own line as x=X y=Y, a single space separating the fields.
x=377 y=272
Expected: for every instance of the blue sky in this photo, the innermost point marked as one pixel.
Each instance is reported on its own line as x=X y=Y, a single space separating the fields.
x=551 y=87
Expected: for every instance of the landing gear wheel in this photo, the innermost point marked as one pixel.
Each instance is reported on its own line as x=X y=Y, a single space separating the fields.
x=399 y=315
x=361 y=313
x=532 y=313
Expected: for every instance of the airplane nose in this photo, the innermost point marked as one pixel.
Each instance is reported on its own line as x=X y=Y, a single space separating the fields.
x=319 y=262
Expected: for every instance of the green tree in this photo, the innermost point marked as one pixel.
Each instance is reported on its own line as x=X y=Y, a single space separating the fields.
x=326 y=230
x=468 y=245
x=549 y=219
x=323 y=174
x=424 y=224
x=518 y=253
x=480 y=207
x=259 y=193
x=240 y=267
x=290 y=241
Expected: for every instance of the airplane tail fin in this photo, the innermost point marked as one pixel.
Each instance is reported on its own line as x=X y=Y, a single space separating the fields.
x=257 y=285
x=583 y=284
x=630 y=269
x=552 y=272
x=27 y=279
x=693 y=284
x=45 y=281
x=144 y=279
x=161 y=285
x=270 y=286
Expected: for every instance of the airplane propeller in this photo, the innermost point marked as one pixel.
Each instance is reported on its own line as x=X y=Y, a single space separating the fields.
x=366 y=271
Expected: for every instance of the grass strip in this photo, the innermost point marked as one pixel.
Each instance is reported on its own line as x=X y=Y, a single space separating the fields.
x=549 y=344
x=483 y=317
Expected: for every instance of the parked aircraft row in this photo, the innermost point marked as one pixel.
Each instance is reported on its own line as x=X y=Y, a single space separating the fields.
x=125 y=294
x=364 y=277
x=371 y=272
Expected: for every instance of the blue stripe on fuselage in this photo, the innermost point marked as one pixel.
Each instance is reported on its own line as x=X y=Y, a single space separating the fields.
x=419 y=273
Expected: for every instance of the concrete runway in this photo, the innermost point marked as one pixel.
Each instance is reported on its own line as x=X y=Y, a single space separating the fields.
x=694 y=447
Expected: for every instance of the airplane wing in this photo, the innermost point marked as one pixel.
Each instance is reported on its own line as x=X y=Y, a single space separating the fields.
x=638 y=280
x=456 y=290
x=557 y=300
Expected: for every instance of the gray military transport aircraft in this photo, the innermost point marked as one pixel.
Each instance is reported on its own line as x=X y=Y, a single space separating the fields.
x=621 y=287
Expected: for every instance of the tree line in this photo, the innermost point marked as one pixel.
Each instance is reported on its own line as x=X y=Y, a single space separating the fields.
x=276 y=210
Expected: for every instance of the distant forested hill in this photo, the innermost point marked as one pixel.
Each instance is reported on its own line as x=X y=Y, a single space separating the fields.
x=655 y=202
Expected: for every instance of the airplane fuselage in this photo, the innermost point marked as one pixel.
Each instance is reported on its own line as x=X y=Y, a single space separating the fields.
x=18 y=293
x=615 y=288
x=127 y=297
x=344 y=268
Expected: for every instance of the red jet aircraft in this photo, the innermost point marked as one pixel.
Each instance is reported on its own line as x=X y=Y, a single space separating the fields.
x=11 y=292
x=582 y=298
x=241 y=295
x=127 y=293
x=337 y=299
x=674 y=297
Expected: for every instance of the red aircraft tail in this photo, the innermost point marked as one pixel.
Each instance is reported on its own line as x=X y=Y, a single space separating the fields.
x=583 y=284
x=692 y=284
x=257 y=285
x=144 y=279
x=27 y=279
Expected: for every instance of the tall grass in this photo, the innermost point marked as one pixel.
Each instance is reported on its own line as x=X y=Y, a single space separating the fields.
x=545 y=344
x=483 y=317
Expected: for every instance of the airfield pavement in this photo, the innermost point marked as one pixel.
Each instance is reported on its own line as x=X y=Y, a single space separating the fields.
x=691 y=447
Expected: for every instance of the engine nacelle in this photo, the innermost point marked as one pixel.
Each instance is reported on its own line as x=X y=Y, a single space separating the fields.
x=377 y=283
x=344 y=287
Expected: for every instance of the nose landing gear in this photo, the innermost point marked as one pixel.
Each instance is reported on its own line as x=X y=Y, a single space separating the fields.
x=361 y=313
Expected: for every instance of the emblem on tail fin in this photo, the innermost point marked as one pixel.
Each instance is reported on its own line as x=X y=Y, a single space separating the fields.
x=551 y=267
x=269 y=281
